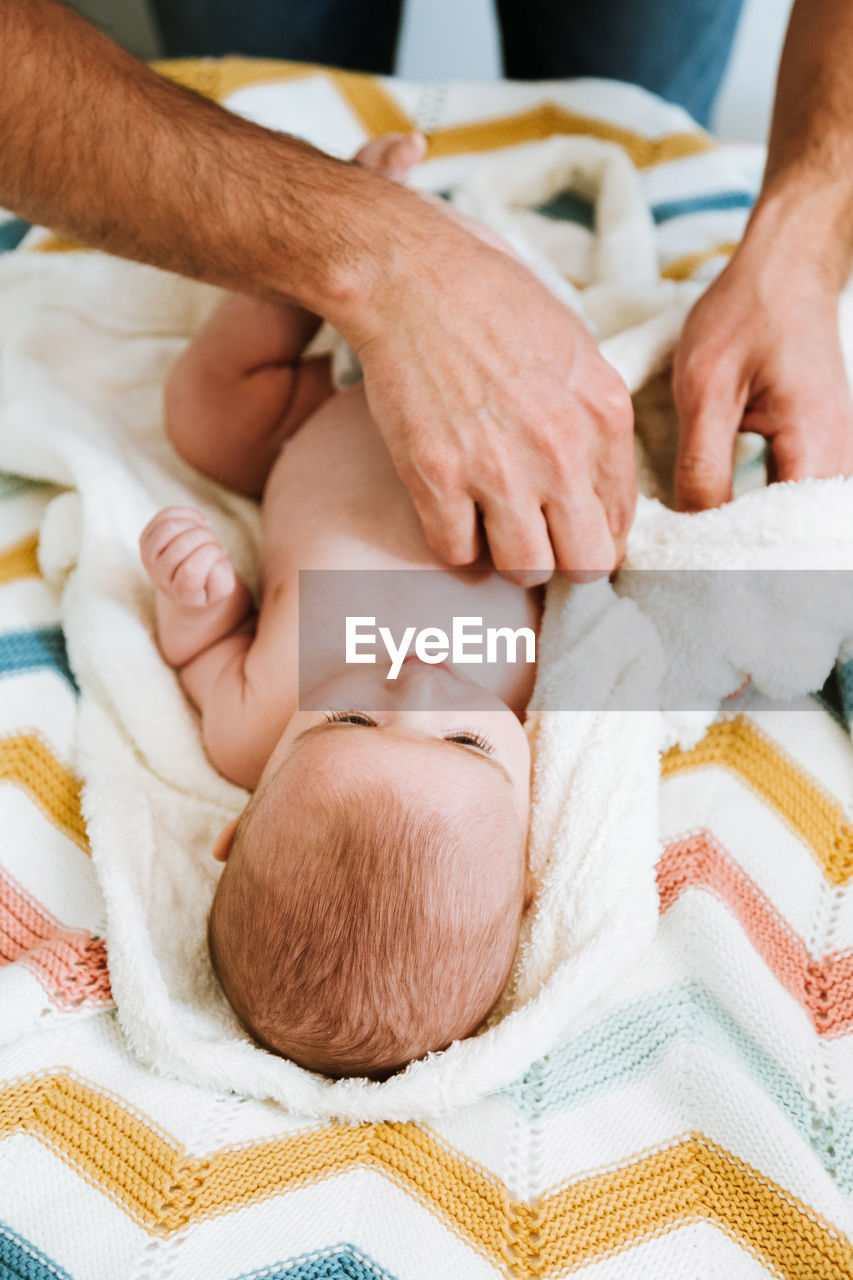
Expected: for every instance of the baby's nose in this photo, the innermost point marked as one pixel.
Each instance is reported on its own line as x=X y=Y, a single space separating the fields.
x=421 y=686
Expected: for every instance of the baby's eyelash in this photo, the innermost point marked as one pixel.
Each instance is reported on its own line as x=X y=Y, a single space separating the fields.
x=467 y=737
x=348 y=717
x=470 y=739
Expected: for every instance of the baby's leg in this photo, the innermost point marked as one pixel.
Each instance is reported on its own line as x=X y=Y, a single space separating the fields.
x=241 y=387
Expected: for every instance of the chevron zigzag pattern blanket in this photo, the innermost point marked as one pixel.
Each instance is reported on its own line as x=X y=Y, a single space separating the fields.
x=693 y=1122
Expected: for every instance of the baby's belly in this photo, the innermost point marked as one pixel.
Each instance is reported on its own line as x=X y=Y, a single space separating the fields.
x=335 y=505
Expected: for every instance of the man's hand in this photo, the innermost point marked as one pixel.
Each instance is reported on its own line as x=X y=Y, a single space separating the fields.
x=490 y=394
x=761 y=352
x=517 y=418
x=494 y=401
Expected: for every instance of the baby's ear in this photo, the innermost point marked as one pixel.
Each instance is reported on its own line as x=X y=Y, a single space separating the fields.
x=222 y=848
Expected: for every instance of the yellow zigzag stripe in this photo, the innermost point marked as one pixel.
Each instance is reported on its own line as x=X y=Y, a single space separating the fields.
x=683 y=268
x=379 y=113
x=27 y=762
x=690 y=1181
x=810 y=812
x=161 y=1187
x=549 y=118
x=370 y=101
x=20 y=560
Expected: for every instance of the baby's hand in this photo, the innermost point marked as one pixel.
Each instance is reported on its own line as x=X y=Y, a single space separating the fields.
x=185 y=559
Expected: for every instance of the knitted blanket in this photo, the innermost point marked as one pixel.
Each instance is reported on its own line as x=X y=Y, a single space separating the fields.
x=691 y=1121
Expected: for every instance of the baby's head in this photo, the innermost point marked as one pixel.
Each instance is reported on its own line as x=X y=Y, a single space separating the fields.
x=370 y=907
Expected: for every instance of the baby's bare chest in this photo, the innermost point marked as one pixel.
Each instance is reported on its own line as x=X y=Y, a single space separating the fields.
x=335 y=505
x=334 y=501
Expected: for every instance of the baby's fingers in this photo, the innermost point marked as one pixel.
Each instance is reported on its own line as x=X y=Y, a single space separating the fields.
x=202 y=577
x=160 y=530
x=165 y=558
x=185 y=559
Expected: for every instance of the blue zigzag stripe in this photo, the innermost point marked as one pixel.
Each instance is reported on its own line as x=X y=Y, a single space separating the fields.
x=629 y=1045
x=714 y=201
x=40 y=647
x=11 y=486
x=341 y=1262
x=568 y=206
x=12 y=233
x=844 y=675
x=19 y=1260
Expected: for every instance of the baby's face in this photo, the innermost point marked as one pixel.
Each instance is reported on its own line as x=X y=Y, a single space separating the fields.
x=432 y=727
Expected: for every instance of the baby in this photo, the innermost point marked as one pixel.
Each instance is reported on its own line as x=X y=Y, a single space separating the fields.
x=370 y=904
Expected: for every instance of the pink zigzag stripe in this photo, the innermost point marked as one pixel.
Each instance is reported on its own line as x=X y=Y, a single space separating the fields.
x=70 y=964
x=823 y=985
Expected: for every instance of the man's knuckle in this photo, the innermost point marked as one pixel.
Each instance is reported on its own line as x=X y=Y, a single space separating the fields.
x=697 y=468
x=498 y=478
x=432 y=472
x=695 y=377
x=620 y=515
x=616 y=408
x=521 y=550
x=453 y=549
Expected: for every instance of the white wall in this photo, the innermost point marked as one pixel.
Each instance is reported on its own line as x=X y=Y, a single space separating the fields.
x=459 y=38
x=746 y=97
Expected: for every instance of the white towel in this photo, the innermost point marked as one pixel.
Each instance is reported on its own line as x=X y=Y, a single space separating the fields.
x=86 y=341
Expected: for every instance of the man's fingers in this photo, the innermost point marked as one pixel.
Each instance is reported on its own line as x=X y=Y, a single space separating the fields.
x=812 y=438
x=708 y=421
x=584 y=546
x=790 y=458
x=450 y=525
x=615 y=483
x=519 y=543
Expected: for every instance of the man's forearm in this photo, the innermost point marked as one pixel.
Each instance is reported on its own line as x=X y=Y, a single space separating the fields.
x=807 y=193
x=97 y=146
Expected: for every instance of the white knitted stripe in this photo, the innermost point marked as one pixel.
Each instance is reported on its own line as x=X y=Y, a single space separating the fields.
x=37 y=699
x=311 y=108
x=83 y=1230
x=27 y=603
x=614 y=1128
x=696 y=1251
x=818 y=744
x=49 y=866
x=359 y=1208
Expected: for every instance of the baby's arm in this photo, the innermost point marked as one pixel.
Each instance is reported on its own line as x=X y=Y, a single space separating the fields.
x=241 y=388
x=205 y=627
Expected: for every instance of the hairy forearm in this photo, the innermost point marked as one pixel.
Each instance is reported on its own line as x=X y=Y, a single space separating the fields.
x=99 y=147
x=807 y=192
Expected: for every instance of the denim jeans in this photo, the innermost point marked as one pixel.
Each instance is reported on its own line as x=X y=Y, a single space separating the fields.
x=676 y=48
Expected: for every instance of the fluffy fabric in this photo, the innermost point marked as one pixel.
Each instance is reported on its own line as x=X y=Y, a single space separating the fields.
x=86 y=344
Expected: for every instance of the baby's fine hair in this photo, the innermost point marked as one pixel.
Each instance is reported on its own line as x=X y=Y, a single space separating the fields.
x=354 y=934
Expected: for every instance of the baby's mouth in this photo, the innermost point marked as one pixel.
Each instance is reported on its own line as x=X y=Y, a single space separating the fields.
x=449 y=667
